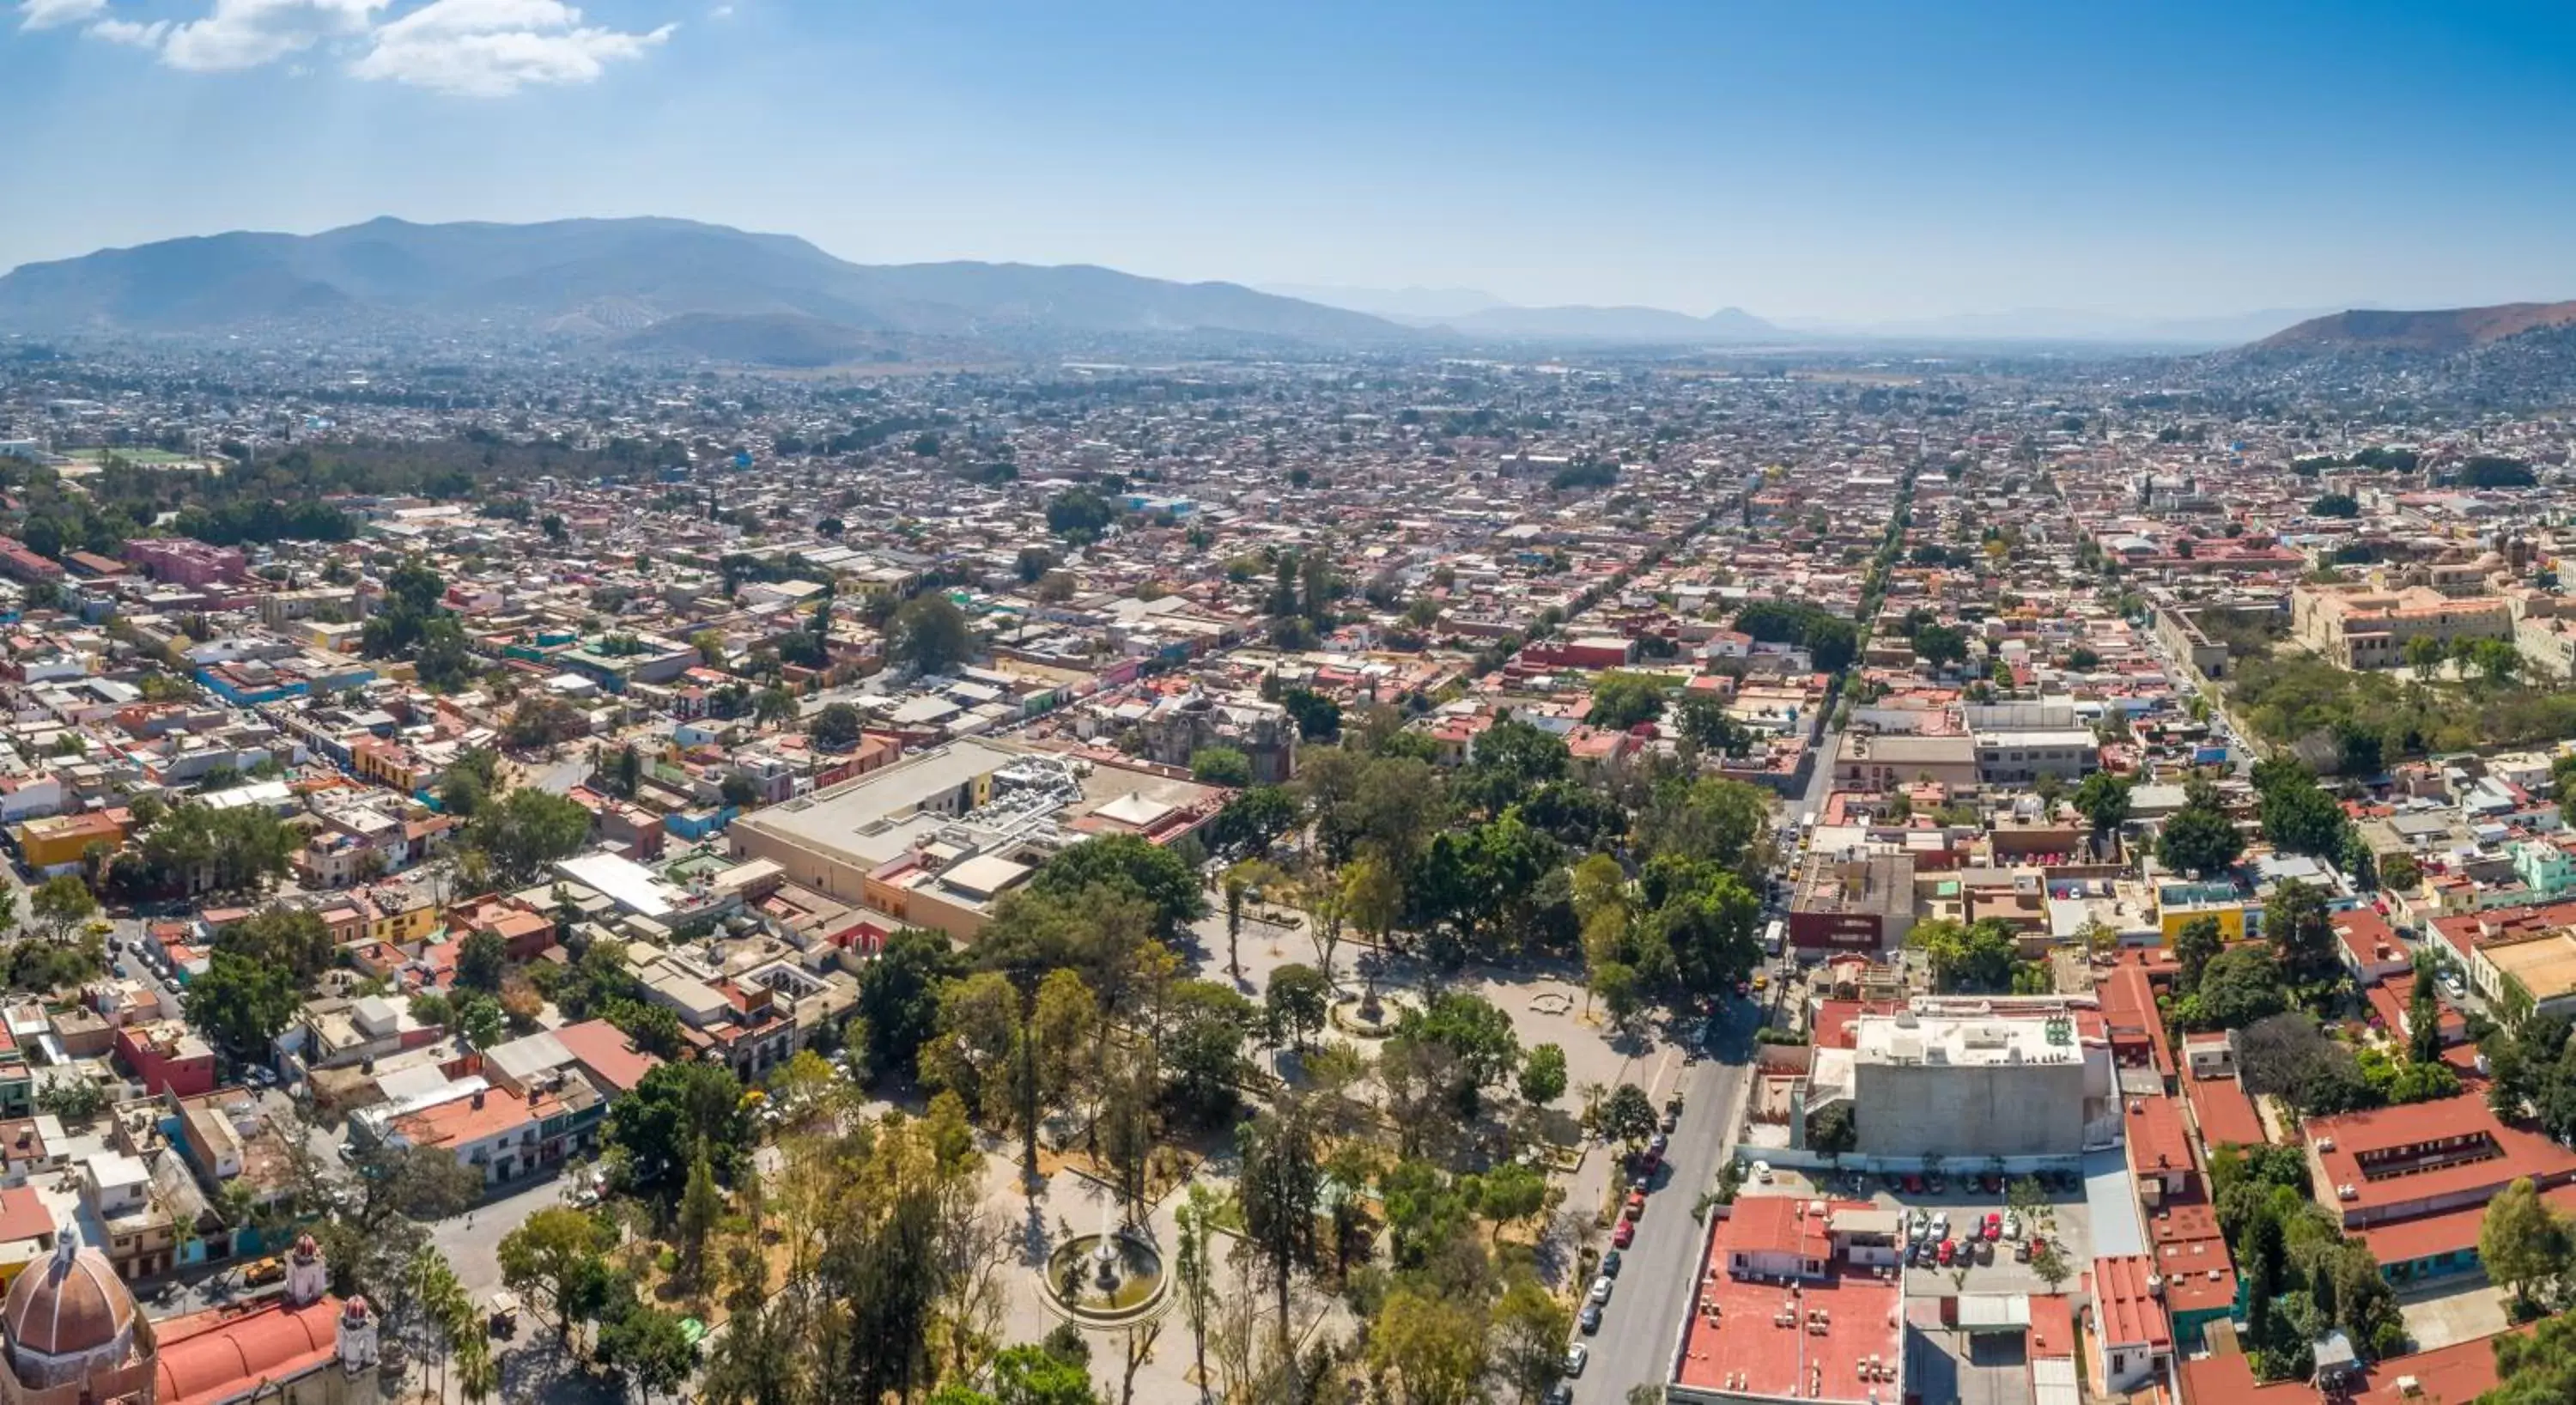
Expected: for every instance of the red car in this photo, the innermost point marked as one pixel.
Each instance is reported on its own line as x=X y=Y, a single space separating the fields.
x=1621 y=1237
x=1914 y=1185
x=1949 y=1251
x=1994 y=1225
x=1636 y=1204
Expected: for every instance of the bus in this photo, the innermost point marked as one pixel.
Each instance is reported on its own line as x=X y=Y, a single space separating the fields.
x=1774 y=936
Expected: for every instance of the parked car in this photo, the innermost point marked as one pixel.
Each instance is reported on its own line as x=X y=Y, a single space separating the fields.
x=1636 y=1205
x=1949 y=1251
x=1994 y=1225
x=1591 y=1318
x=1762 y=1172
x=264 y=1272
x=2021 y=1251
x=1560 y=1393
x=1610 y=1263
x=1914 y=1185
x=1601 y=1289
x=2012 y=1226
x=1625 y=1234
x=1985 y=1251
x=1575 y=1357
x=1941 y=1224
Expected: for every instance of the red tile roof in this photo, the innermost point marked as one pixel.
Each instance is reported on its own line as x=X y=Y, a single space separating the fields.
x=218 y=1354
x=2224 y=1112
x=2515 y=1153
x=2124 y=1312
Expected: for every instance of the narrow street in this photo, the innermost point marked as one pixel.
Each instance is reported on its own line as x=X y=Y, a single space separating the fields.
x=1658 y=1272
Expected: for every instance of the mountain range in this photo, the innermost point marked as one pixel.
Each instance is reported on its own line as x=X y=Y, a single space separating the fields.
x=667 y=287
x=613 y=279
x=2437 y=330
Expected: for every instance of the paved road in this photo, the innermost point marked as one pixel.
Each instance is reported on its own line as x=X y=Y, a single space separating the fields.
x=1658 y=1272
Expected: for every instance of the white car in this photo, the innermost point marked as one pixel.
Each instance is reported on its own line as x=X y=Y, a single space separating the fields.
x=1600 y=1289
x=1762 y=1172
x=1941 y=1225
x=1575 y=1357
x=2012 y=1225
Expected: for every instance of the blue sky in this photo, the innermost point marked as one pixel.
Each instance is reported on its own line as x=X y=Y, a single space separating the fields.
x=1852 y=160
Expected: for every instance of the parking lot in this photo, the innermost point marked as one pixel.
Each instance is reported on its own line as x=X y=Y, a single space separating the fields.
x=1956 y=1206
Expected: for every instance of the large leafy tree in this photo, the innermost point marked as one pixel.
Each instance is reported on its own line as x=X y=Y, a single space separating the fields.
x=2199 y=839
x=898 y=999
x=1135 y=864
x=676 y=1111
x=526 y=830
x=241 y=1004
x=931 y=634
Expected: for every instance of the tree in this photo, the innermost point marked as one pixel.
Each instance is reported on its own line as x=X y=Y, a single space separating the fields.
x=1295 y=1004
x=241 y=1005
x=558 y=1255
x=1079 y=515
x=1318 y=718
x=2051 y=1265
x=1194 y=1271
x=773 y=705
x=2336 y=505
x=1627 y=1115
x=282 y=936
x=1975 y=956
x=1221 y=765
x=1701 y=715
x=837 y=727
x=2424 y=1021
x=1938 y=644
x=898 y=999
x=1281 y=1188
x=2399 y=873
x=1530 y=1327
x=2237 y=987
x=1242 y=883
x=1624 y=700
x=1508 y=1194
x=63 y=903
x=2195 y=946
x=2297 y=814
x=1476 y=1037
x=480 y=961
x=1832 y=1132
x=2199 y=840
x=1433 y=1343
x=1152 y=872
x=2103 y=799
x=1543 y=1075
x=677 y=1111
x=930 y=634
x=2522 y=1242
x=526 y=831
x=2301 y=931
x=650 y=1347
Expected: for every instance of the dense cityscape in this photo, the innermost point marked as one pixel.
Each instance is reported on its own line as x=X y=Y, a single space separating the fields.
x=1547 y=875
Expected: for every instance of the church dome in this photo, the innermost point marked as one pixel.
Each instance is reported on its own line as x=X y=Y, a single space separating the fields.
x=69 y=1304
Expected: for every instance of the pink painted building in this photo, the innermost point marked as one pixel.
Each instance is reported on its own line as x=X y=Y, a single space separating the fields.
x=186 y=561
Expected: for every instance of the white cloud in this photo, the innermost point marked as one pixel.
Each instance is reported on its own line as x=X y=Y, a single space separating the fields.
x=141 y=36
x=721 y=12
x=469 y=48
x=491 y=48
x=52 y=14
x=248 y=33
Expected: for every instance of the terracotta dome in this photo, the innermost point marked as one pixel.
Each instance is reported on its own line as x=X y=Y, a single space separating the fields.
x=67 y=1304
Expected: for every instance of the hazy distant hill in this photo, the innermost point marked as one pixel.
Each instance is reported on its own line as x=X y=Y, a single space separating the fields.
x=1639 y=324
x=1400 y=304
x=2447 y=329
x=606 y=277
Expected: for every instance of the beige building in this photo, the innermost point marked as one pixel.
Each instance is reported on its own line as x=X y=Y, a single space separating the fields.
x=2361 y=626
